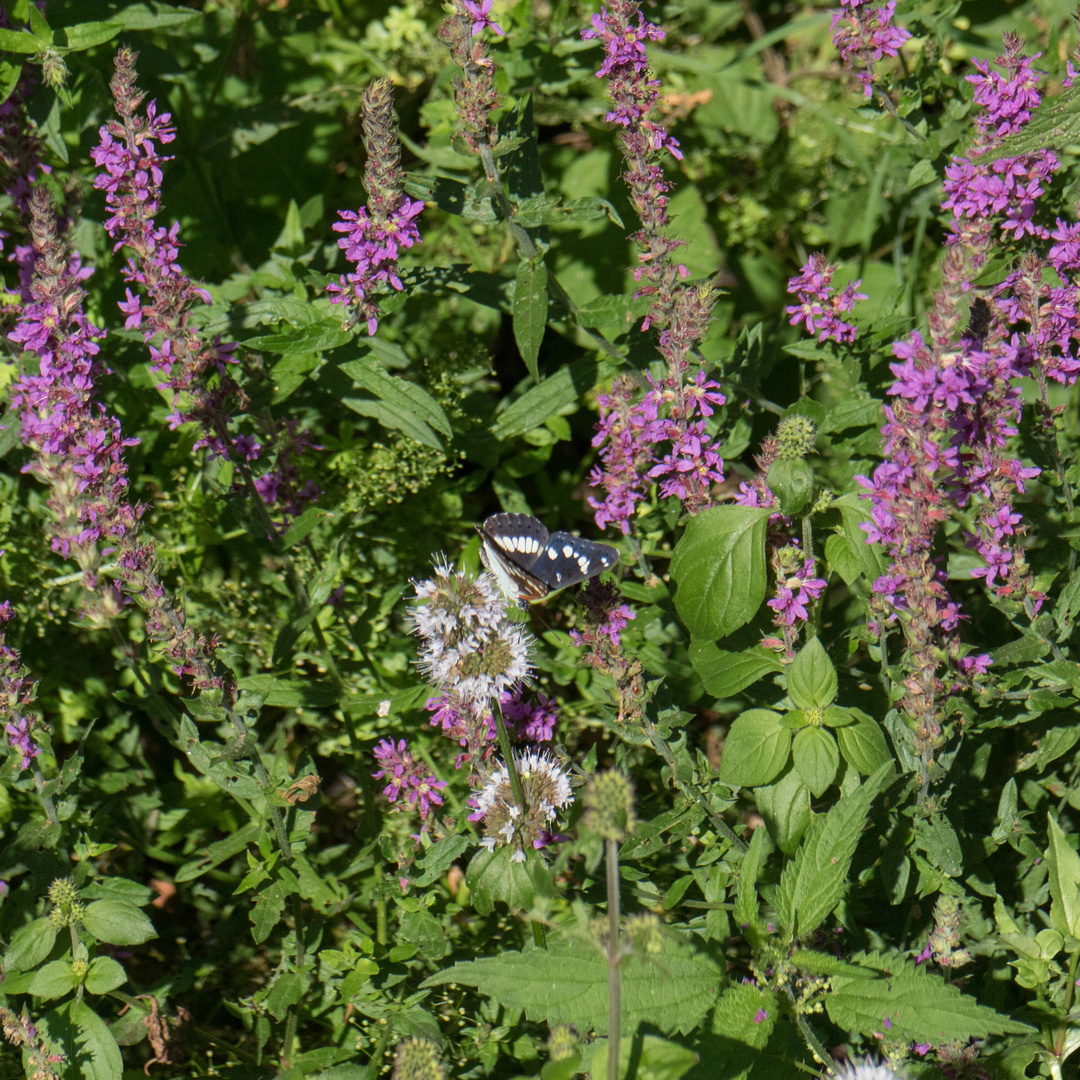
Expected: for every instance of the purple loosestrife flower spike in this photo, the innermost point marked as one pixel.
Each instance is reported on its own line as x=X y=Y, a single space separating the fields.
x=17 y=693
x=79 y=453
x=685 y=463
x=481 y=14
x=78 y=449
x=128 y=154
x=376 y=235
x=863 y=33
x=475 y=94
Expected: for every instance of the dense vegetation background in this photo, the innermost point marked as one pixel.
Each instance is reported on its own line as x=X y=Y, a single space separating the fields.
x=795 y=785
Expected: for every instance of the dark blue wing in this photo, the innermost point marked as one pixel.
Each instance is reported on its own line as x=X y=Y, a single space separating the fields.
x=568 y=559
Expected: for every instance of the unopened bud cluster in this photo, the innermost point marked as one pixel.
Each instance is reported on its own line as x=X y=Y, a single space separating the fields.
x=609 y=806
x=67 y=909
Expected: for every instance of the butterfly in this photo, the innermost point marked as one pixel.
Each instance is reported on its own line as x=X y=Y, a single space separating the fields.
x=529 y=563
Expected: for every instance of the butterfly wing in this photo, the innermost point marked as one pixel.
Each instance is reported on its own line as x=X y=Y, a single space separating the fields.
x=511 y=545
x=568 y=559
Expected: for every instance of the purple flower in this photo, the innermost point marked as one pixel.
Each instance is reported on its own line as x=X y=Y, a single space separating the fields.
x=760 y=1016
x=863 y=34
x=19 y=739
x=131 y=177
x=407 y=778
x=818 y=308
x=376 y=235
x=481 y=16
x=534 y=720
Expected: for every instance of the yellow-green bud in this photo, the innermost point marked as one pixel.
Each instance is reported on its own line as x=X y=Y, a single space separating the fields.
x=562 y=1043
x=609 y=806
x=644 y=933
x=795 y=437
x=418 y=1059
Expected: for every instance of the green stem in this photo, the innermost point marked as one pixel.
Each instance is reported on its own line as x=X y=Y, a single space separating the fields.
x=511 y=765
x=613 y=955
x=1070 y=995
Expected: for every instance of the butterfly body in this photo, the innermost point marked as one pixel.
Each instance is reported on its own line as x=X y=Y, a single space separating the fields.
x=529 y=563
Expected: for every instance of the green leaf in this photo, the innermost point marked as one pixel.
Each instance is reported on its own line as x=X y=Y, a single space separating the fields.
x=567 y=983
x=919 y=1006
x=87 y=35
x=726 y=673
x=492 y=876
x=556 y=393
x=533 y=213
x=841 y=557
x=792 y=482
x=117 y=923
x=19 y=41
x=30 y=944
x=719 y=566
x=813 y=883
x=266 y=913
x=105 y=974
x=870 y=557
x=289 y=693
x=221 y=851
x=863 y=743
x=398 y=392
x=323 y=336
x=54 y=980
x=746 y=898
x=938 y=839
x=816 y=759
x=739 y=1014
x=227 y=771
x=756 y=749
x=812 y=681
x=1053 y=125
x=622 y=311
x=1064 y=882
x=99 y=1056
x=284 y=994
x=785 y=806
x=652 y=1058
x=530 y=311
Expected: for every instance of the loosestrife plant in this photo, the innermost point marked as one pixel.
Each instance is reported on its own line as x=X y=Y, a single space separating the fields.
x=787 y=311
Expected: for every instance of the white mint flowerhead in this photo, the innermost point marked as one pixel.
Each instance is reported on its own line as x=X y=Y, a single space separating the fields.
x=868 y=1069
x=468 y=645
x=546 y=789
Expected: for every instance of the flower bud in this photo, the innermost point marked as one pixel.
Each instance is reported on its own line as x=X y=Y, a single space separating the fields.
x=609 y=806
x=418 y=1059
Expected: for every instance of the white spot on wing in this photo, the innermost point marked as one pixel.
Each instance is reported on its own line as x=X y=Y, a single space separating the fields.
x=552 y=554
x=567 y=551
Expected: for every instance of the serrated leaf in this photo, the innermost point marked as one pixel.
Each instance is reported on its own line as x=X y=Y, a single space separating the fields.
x=398 y=392
x=99 y=1057
x=87 y=35
x=746 y=898
x=322 y=336
x=266 y=912
x=938 y=839
x=530 y=311
x=871 y=557
x=919 y=1007
x=30 y=944
x=606 y=310
x=117 y=923
x=557 y=392
x=494 y=876
x=816 y=758
x=105 y=974
x=813 y=883
x=567 y=983
x=20 y=41
x=785 y=806
x=719 y=567
x=863 y=743
x=53 y=980
x=1053 y=125
x=841 y=558
x=1064 y=882
x=747 y=1014
x=726 y=673
x=812 y=681
x=756 y=749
